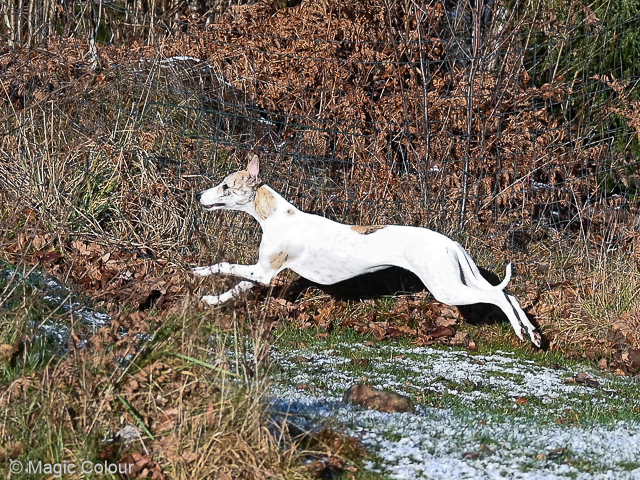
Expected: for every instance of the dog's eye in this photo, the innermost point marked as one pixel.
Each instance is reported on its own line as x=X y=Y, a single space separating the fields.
x=225 y=188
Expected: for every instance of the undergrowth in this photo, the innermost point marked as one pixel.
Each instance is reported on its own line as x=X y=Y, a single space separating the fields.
x=156 y=401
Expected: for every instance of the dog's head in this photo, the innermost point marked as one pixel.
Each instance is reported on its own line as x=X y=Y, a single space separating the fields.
x=236 y=190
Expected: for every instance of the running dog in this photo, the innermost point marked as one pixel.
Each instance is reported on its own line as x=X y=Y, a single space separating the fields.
x=328 y=252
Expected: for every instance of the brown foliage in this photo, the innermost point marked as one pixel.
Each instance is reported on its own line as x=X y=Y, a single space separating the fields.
x=346 y=80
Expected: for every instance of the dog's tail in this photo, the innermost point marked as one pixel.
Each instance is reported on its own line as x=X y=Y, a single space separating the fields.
x=507 y=278
x=471 y=269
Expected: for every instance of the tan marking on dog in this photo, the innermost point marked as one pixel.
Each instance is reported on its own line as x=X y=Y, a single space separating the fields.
x=367 y=229
x=264 y=202
x=278 y=259
x=237 y=180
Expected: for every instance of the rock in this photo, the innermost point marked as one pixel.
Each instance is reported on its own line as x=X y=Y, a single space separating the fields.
x=372 y=398
x=128 y=434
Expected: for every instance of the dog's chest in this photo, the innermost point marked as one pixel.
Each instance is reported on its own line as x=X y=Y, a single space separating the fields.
x=321 y=251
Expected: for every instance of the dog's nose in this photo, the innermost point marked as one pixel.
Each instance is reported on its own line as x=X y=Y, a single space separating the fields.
x=198 y=195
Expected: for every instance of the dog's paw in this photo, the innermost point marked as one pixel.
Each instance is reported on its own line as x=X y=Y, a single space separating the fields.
x=211 y=299
x=533 y=334
x=201 y=271
x=536 y=338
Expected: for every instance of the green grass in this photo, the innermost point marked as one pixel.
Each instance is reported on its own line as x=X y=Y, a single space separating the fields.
x=608 y=408
x=582 y=409
x=183 y=343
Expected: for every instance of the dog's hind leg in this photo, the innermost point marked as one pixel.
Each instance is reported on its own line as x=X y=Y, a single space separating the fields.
x=229 y=294
x=462 y=295
x=450 y=286
x=516 y=316
x=513 y=311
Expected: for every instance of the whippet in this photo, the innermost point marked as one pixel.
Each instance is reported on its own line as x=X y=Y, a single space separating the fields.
x=327 y=252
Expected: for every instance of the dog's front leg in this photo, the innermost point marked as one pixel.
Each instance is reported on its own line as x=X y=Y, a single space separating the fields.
x=205 y=271
x=256 y=273
x=228 y=295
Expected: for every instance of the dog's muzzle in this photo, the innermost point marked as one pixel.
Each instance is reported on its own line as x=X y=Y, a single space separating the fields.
x=212 y=206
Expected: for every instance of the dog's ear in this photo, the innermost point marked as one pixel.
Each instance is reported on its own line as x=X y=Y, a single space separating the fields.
x=254 y=169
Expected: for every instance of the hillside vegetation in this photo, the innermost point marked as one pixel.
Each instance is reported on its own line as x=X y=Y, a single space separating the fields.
x=512 y=128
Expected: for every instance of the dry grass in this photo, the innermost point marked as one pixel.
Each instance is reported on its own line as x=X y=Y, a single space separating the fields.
x=187 y=414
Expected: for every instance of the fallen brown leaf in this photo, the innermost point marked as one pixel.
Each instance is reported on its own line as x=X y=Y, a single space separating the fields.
x=634 y=358
x=440 y=332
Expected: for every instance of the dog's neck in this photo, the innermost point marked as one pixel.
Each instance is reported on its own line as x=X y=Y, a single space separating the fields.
x=267 y=205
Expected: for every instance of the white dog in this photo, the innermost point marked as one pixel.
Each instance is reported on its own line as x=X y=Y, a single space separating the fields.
x=327 y=252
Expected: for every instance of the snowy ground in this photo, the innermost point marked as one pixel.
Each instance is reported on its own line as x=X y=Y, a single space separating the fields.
x=477 y=416
x=61 y=300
